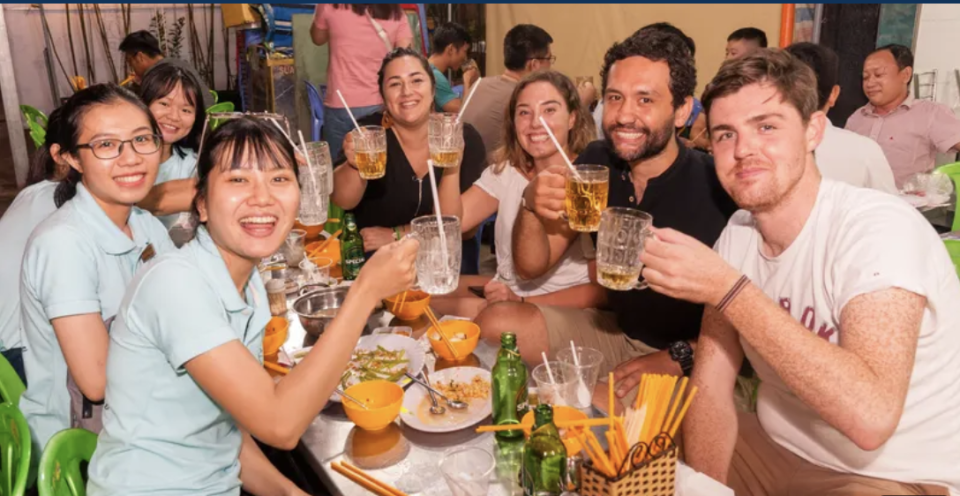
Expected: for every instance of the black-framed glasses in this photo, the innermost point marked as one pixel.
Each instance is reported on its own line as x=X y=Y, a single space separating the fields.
x=109 y=148
x=552 y=59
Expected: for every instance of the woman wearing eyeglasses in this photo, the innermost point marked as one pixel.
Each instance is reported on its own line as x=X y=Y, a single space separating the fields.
x=79 y=260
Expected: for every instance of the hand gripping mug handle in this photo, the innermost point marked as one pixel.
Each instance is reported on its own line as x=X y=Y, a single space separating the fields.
x=642 y=284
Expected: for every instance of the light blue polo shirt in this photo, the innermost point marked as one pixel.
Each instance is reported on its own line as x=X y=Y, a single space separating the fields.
x=76 y=262
x=444 y=92
x=28 y=209
x=162 y=434
x=176 y=167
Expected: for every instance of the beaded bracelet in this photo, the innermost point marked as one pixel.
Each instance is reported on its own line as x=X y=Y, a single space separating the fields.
x=734 y=291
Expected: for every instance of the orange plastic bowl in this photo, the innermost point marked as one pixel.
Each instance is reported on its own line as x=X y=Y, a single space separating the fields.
x=451 y=328
x=332 y=251
x=383 y=399
x=415 y=303
x=561 y=414
x=275 y=335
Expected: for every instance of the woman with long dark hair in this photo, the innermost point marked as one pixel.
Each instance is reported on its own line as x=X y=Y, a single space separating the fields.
x=187 y=388
x=175 y=99
x=79 y=260
x=360 y=35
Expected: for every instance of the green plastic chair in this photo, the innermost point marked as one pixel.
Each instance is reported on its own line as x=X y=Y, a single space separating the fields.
x=11 y=387
x=61 y=473
x=15 y=449
x=218 y=108
x=37 y=122
x=953 y=248
x=953 y=172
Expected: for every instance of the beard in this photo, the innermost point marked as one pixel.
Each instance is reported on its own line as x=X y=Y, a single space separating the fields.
x=765 y=193
x=656 y=140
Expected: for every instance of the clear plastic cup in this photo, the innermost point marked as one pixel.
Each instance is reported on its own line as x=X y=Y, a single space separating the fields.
x=467 y=470
x=587 y=373
x=560 y=389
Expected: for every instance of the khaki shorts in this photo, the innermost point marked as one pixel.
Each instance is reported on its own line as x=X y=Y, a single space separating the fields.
x=596 y=329
x=761 y=467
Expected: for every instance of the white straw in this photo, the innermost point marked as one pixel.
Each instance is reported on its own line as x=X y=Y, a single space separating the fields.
x=576 y=359
x=285 y=135
x=583 y=393
x=547 y=365
x=311 y=170
x=467 y=101
x=349 y=112
x=563 y=154
x=436 y=208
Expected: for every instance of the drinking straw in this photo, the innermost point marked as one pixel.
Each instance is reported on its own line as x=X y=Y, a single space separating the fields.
x=583 y=394
x=306 y=156
x=436 y=208
x=467 y=101
x=349 y=112
x=563 y=154
x=285 y=135
x=547 y=365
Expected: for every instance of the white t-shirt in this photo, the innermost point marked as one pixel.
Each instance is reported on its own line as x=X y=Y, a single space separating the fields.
x=859 y=241
x=507 y=187
x=28 y=209
x=846 y=156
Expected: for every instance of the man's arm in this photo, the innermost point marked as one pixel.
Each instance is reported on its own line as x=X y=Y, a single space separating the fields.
x=710 y=427
x=170 y=197
x=859 y=387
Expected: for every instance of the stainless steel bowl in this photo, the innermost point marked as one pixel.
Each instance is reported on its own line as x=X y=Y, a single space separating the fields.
x=315 y=301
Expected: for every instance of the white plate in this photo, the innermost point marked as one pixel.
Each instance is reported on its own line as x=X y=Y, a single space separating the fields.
x=393 y=342
x=452 y=420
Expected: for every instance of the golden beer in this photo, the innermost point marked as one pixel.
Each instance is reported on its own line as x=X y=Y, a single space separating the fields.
x=372 y=165
x=446 y=158
x=585 y=202
x=618 y=278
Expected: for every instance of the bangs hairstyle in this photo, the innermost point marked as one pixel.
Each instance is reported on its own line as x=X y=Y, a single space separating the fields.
x=160 y=82
x=584 y=129
x=793 y=79
x=244 y=143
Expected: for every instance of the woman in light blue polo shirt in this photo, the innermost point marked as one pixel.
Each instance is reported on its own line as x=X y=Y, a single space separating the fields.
x=79 y=260
x=175 y=99
x=28 y=209
x=186 y=388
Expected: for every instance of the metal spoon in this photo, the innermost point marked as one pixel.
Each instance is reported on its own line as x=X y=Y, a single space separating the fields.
x=456 y=405
x=435 y=407
x=351 y=398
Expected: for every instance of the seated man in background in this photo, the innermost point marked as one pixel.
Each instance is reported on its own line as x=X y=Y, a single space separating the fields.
x=449 y=50
x=909 y=131
x=842 y=155
x=526 y=48
x=648 y=82
x=843 y=299
x=743 y=42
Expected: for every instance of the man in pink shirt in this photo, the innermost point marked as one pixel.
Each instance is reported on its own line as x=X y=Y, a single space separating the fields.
x=909 y=131
x=360 y=35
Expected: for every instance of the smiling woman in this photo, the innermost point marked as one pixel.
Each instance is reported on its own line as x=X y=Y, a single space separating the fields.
x=79 y=260
x=192 y=327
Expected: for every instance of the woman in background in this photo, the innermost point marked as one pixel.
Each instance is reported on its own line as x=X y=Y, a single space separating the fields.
x=360 y=35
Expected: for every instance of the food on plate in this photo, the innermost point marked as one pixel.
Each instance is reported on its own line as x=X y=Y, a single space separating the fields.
x=476 y=389
x=376 y=364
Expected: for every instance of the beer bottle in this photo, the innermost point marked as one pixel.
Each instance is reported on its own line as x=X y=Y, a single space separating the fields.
x=544 y=457
x=509 y=386
x=351 y=249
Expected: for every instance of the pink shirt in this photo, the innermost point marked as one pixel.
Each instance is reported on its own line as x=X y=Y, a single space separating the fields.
x=356 y=52
x=910 y=136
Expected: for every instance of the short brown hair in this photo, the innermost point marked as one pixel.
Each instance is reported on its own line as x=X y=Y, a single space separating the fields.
x=794 y=80
x=584 y=130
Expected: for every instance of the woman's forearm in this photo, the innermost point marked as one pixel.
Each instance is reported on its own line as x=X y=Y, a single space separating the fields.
x=348 y=187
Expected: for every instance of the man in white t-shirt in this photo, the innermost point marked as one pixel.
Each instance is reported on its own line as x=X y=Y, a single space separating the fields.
x=842 y=155
x=844 y=300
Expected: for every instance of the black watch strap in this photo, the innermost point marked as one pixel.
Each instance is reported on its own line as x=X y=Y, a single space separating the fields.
x=682 y=353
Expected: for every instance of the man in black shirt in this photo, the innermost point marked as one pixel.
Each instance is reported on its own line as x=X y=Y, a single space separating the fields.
x=648 y=83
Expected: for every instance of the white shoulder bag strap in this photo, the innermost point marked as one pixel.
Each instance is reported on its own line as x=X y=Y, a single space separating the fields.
x=380 y=32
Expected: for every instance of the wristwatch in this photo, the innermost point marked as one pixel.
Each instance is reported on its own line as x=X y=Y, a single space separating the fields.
x=682 y=353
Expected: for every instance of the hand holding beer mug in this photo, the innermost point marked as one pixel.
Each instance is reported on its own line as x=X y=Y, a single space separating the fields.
x=623 y=231
x=370 y=151
x=445 y=137
x=586 y=196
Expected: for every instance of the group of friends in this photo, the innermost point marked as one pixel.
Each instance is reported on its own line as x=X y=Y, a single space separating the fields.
x=840 y=296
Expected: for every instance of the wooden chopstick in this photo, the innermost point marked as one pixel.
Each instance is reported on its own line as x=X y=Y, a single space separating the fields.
x=325 y=244
x=597 y=422
x=500 y=428
x=387 y=487
x=367 y=481
x=436 y=323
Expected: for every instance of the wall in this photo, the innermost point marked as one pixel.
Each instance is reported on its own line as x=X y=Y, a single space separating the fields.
x=938 y=37
x=583 y=33
x=26 y=39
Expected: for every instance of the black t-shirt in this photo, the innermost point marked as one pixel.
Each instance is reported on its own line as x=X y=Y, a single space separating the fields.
x=400 y=196
x=687 y=197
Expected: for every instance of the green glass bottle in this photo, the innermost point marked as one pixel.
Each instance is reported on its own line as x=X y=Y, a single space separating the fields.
x=509 y=387
x=509 y=457
x=351 y=249
x=544 y=457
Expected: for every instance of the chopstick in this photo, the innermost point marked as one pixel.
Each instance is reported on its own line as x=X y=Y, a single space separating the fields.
x=369 y=482
x=436 y=323
x=597 y=422
x=325 y=243
x=276 y=367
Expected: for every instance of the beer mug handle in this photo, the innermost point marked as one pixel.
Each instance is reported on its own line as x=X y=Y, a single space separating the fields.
x=642 y=284
x=416 y=277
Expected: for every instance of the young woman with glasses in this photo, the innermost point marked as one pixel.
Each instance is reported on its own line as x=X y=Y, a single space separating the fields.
x=79 y=260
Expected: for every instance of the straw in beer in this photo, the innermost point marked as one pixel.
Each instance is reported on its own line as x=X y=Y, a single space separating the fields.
x=573 y=170
x=467 y=101
x=436 y=208
x=349 y=112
